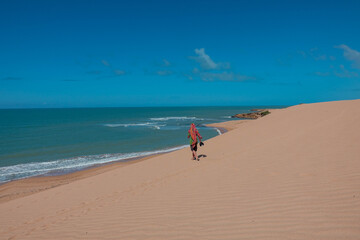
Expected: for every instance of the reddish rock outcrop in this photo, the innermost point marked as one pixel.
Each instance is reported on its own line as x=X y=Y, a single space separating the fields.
x=253 y=115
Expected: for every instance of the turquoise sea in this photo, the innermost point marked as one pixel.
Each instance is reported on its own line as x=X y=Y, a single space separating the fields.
x=57 y=141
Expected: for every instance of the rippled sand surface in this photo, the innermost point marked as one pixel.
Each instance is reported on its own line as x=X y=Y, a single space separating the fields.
x=294 y=174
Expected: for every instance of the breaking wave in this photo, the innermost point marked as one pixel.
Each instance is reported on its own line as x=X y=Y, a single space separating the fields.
x=147 y=124
x=218 y=131
x=175 y=118
x=63 y=166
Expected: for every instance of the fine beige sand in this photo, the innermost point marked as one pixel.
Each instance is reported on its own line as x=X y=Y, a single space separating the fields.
x=294 y=174
x=28 y=186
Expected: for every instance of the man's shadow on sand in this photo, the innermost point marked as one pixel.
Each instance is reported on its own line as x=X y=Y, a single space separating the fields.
x=202 y=156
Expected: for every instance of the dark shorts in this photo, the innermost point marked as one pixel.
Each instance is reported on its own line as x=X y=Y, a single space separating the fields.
x=193 y=147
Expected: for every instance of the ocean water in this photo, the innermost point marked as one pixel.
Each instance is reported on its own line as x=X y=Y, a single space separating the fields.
x=57 y=141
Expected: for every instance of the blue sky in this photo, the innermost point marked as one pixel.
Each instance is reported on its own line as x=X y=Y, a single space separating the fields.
x=177 y=53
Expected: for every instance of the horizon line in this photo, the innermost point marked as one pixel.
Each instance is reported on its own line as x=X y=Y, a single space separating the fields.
x=260 y=105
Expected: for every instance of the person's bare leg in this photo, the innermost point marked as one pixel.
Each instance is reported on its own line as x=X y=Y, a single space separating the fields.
x=193 y=154
x=196 y=157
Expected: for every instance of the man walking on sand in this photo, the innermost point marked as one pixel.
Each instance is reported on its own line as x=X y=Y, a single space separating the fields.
x=194 y=134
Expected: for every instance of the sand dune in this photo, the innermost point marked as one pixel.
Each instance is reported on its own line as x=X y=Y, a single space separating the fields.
x=294 y=174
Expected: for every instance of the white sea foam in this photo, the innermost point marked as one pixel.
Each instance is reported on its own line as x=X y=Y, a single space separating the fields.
x=218 y=131
x=175 y=118
x=154 y=122
x=128 y=124
x=147 y=124
x=66 y=165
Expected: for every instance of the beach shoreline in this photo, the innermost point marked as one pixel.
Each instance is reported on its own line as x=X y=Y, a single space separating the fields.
x=286 y=175
x=42 y=145
x=31 y=185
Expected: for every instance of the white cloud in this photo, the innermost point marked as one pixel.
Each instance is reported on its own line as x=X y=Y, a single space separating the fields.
x=224 y=76
x=106 y=63
x=119 y=72
x=351 y=55
x=214 y=71
x=113 y=71
x=164 y=72
x=188 y=76
x=302 y=53
x=166 y=63
x=320 y=57
x=205 y=61
x=196 y=71
x=314 y=53
x=322 y=74
x=344 y=73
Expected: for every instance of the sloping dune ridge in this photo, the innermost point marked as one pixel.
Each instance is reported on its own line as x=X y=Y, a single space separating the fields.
x=294 y=174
